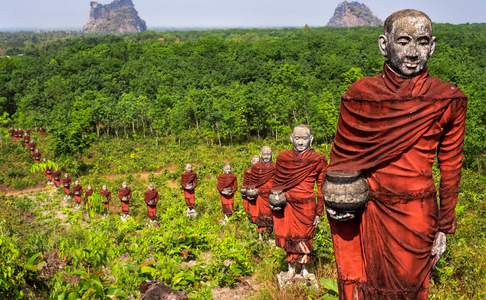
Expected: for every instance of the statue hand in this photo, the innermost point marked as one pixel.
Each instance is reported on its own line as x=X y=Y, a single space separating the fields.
x=317 y=220
x=439 y=246
x=339 y=216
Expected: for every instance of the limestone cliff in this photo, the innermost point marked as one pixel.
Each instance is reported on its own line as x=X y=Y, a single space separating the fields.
x=352 y=14
x=117 y=16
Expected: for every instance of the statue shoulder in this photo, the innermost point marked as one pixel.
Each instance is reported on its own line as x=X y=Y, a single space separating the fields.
x=365 y=88
x=446 y=89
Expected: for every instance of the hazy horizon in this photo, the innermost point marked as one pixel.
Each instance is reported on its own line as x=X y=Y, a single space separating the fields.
x=191 y=14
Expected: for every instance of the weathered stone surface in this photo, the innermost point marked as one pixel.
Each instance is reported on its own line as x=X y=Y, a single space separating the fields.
x=117 y=16
x=353 y=14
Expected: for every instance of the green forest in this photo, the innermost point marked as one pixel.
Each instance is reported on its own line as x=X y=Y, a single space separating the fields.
x=137 y=107
x=222 y=87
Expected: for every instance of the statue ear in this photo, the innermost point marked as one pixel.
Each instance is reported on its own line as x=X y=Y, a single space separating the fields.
x=291 y=139
x=382 y=43
x=311 y=139
x=432 y=45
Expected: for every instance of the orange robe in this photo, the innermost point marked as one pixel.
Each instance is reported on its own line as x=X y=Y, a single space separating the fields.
x=189 y=195
x=390 y=129
x=297 y=175
x=261 y=177
x=227 y=202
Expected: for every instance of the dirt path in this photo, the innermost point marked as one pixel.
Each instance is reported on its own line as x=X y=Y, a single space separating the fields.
x=39 y=188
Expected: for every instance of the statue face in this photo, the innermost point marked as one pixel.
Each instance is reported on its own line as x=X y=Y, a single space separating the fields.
x=89 y=187
x=227 y=169
x=301 y=138
x=76 y=182
x=104 y=187
x=124 y=185
x=409 y=45
x=188 y=168
x=151 y=187
x=255 y=159
x=266 y=154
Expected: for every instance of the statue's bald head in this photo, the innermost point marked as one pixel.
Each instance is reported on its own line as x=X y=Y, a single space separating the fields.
x=188 y=168
x=406 y=17
x=301 y=138
x=407 y=42
x=227 y=168
x=266 y=154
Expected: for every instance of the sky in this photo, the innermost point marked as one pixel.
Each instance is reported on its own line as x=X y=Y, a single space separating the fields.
x=72 y=14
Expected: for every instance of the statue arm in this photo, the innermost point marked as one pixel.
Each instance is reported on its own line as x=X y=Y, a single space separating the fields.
x=450 y=156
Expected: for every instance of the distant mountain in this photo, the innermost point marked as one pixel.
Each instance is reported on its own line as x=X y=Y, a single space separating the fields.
x=352 y=14
x=118 y=16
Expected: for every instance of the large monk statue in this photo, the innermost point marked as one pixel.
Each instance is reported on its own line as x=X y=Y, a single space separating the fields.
x=297 y=208
x=261 y=178
x=125 y=195
x=227 y=185
x=188 y=185
x=390 y=129
x=249 y=193
x=151 y=198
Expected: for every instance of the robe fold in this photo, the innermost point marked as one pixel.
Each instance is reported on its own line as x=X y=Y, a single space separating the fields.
x=125 y=195
x=189 y=195
x=151 y=198
x=390 y=129
x=227 y=201
x=261 y=178
x=297 y=175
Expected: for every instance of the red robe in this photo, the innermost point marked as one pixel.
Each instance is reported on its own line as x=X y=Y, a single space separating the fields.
x=77 y=192
x=189 y=195
x=26 y=139
x=151 y=197
x=252 y=208
x=66 y=184
x=261 y=177
x=227 y=181
x=107 y=194
x=31 y=146
x=56 y=176
x=390 y=129
x=125 y=195
x=297 y=174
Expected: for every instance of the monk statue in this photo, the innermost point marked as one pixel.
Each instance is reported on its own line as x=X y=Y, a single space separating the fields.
x=391 y=127
x=296 y=213
x=249 y=193
x=66 y=185
x=151 y=198
x=261 y=178
x=88 y=193
x=227 y=185
x=47 y=172
x=36 y=155
x=77 y=192
x=125 y=195
x=188 y=185
x=56 y=177
x=106 y=194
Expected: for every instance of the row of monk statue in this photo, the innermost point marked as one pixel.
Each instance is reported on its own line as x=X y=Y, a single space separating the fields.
x=377 y=190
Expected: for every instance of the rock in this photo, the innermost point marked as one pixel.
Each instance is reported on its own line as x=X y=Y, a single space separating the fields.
x=156 y=290
x=353 y=14
x=118 y=16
